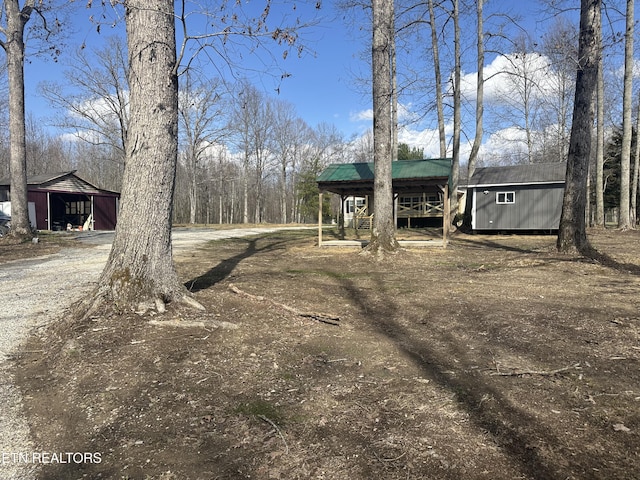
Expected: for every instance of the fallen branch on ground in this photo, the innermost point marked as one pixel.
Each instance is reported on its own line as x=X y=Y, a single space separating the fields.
x=320 y=317
x=19 y=353
x=543 y=373
x=270 y=422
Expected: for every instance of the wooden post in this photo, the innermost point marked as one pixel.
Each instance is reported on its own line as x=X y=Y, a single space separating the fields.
x=355 y=215
x=446 y=215
x=341 y=217
x=320 y=219
x=395 y=212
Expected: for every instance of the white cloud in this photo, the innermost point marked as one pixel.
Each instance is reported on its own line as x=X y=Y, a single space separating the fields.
x=619 y=72
x=508 y=145
x=362 y=116
x=100 y=108
x=503 y=88
x=505 y=77
x=404 y=114
x=429 y=140
x=426 y=139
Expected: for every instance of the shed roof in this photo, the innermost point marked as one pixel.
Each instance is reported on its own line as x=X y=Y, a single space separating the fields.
x=61 y=181
x=530 y=174
x=354 y=178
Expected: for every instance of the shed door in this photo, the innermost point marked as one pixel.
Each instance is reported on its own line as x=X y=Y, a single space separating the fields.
x=104 y=212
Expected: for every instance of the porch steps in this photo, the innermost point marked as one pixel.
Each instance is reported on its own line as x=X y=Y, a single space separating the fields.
x=363 y=223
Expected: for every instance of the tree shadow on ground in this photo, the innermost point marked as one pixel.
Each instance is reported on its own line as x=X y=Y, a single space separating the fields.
x=590 y=255
x=610 y=262
x=516 y=432
x=487 y=243
x=226 y=267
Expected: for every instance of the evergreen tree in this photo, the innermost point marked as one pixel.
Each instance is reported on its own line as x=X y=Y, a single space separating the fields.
x=409 y=153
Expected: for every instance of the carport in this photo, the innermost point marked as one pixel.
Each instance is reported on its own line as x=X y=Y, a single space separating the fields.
x=63 y=200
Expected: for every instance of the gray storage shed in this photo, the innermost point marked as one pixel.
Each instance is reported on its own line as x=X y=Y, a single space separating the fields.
x=517 y=197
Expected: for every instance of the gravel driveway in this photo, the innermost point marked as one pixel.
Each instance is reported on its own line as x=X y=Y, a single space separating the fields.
x=36 y=291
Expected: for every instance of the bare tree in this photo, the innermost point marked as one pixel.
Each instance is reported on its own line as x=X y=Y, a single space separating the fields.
x=599 y=160
x=286 y=144
x=477 y=140
x=362 y=147
x=633 y=217
x=479 y=130
x=95 y=96
x=572 y=231
x=325 y=146
x=140 y=272
x=457 y=122
x=13 y=30
x=438 y=80
x=95 y=103
x=252 y=124
x=301 y=138
x=46 y=152
x=199 y=114
x=523 y=97
x=262 y=131
x=559 y=46
x=624 y=221
x=383 y=231
x=99 y=164
x=4 y=110
x=242 y=111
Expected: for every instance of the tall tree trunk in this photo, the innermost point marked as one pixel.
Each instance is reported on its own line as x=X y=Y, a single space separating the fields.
x=193 y=187
x=14 y=46
x=572 y=233
x=455 y=166
x=245 y=190
x=624 y=221
x=636 y=174
x=599 y=190
x=438 y=81
x=477 y=141
x=394 y=99
x=140 y=270
x=383 y=231
x=283 y=192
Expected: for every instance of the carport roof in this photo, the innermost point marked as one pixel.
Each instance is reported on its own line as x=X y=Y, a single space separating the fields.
x=67 y=182
x=39 y=179
x=407 y=175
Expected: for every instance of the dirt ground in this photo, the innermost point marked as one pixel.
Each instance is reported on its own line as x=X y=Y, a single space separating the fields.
x=495 y=358
x=48 y=244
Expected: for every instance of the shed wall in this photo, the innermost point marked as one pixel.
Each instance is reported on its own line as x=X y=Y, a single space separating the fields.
x=105 y=212
x=536 y=207
x=42 y=211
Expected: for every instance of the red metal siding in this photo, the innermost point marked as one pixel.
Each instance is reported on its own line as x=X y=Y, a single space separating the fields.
x=104 y=212
x=40 y=200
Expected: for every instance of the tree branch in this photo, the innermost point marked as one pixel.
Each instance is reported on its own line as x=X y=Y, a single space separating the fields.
x=320 y=317
x=543 y=373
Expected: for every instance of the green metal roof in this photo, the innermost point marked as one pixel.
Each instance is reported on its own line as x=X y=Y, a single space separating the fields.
x=401 y=169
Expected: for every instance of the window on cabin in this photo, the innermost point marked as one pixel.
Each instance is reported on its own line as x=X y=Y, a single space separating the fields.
x=350 y=207
x=505 y=198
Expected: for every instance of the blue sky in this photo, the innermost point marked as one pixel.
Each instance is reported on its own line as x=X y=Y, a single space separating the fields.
x=320 y=85
x=323 y=85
